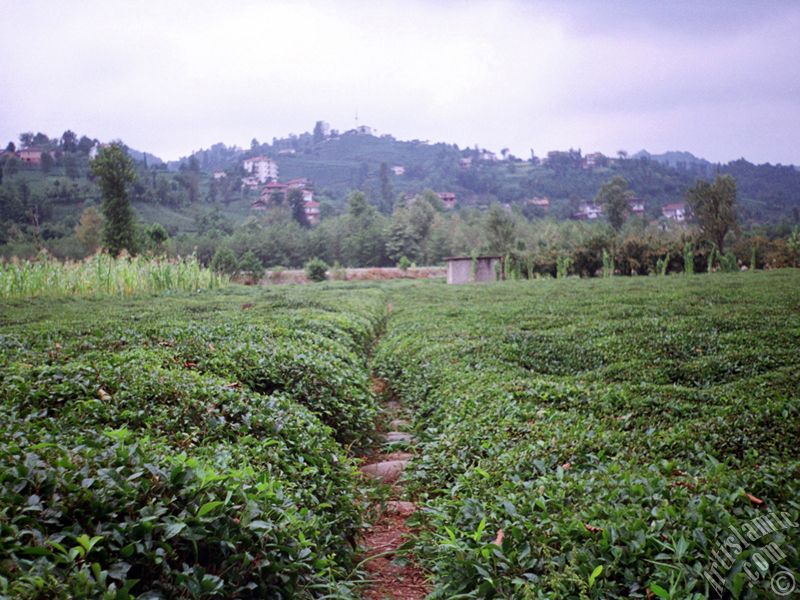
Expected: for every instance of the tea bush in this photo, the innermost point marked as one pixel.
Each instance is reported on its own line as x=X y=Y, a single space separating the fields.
x=184 y=446
x=596 y=439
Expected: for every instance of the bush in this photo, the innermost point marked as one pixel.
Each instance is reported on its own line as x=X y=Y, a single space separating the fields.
x=224 y=262
x=404 y=263
x=316 y=269
x=251 y=267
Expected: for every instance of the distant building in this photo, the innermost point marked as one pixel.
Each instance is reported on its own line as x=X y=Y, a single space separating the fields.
x=487 y=155
x=398 y=170
x=311 y=208
x=636 y=206
x=675 y=212
x=595 y=159
x=365 y=130
x=262 y=168
x=465 y=162
x=273 y=188
x=287 y=151
x=588 y=211
x=543 y=202
x=448 y=199
x=466 y=269
x=220 y=175
x=30 y=156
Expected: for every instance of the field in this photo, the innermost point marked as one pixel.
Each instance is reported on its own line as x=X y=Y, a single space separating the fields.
x=575 y=439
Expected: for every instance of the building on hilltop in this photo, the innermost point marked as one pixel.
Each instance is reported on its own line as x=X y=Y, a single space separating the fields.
x=398 y=170
x=636 y=206
x=588 y=211
x=675 y=212
x=261 y=168
x=539 y=202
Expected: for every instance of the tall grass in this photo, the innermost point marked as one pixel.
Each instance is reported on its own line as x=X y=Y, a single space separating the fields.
x=103 y=275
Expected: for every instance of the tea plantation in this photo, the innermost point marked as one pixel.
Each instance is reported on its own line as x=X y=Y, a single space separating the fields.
x=184 y=446
x=596 y=439
x=575 y=438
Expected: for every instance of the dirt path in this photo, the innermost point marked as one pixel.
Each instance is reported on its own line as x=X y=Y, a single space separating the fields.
x=392 y=571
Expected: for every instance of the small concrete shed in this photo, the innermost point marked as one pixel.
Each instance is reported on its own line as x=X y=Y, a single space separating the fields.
x=468 y=269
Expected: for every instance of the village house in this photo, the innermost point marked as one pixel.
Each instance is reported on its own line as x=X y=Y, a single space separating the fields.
x=675 y=211
x=281 y=190
x=595 y=159
x=465 y=162
x=487 y=155
x=588 y=211
x=30 y=156
x=448 y=199
x=543 y=202
x=220 y=175
x=636 y=206
x=398 y=170
x=311 y=208
x=261 y=168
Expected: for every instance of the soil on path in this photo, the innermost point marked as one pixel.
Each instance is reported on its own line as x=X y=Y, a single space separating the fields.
x=393 y=573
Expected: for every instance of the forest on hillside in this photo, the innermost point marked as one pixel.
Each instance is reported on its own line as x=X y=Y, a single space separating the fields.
x=378 y=203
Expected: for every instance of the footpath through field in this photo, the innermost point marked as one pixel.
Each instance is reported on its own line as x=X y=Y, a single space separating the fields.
x=393 y=572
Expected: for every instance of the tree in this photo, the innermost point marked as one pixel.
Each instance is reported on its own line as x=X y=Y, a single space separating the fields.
x=69 y=141
x=319 y=132
x=90 y=229
x=297 y=205
x=386 y=190
x=114 y=170
x=615 y=197
x=156 y=236
x=500 y=230
x=47 y=162
x=714 y=206
x=11 y=147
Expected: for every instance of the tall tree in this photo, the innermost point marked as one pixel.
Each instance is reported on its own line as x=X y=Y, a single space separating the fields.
x=386 y=190
x=615 y=197
x=295 y=200
x=89 y=229
x=714 y=206
x=500 y=230
x=69 y=141
x=114 y=170
x=319 y=132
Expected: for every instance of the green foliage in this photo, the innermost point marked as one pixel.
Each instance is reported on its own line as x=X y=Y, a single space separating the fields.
x=114 y=171
x=688 y=258
x=251 y=267
x=185 y=447
x=615 y=424
x=404 y=263
x=316 y=269
x=563 y=266
x=608 y=264
x=714 y=206
x=224 y=261
x=728 y=262
x=614 y=196
x=103 y=275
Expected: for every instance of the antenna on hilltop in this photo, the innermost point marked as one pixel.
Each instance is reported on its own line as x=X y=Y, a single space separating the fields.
x=356 y=117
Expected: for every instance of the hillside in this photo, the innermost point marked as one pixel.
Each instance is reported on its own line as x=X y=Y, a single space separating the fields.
x=41 y=203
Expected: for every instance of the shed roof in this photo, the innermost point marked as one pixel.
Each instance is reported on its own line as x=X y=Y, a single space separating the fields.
x=470 y=257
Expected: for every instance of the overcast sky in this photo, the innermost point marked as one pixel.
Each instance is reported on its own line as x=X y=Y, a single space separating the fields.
x=719 y=79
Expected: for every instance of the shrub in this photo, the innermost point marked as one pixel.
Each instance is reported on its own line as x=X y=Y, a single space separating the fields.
x=316 y=269
x=404 y=263
x=251 y=267
x=224 y=262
